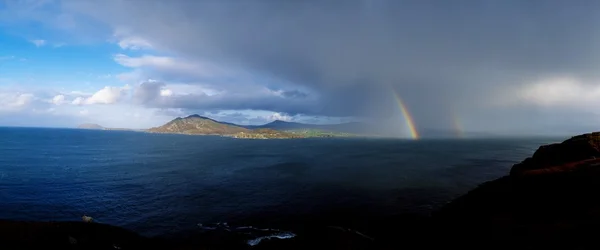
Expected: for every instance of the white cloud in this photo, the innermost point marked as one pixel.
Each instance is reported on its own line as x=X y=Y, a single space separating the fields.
x=39 y=42
x=2 y=58
x=166 y=92
x=121 y=115
x=279 y=116
x=166 y=68
x=22 y=100
x=126 y=40
x=15 y=101
x=555 y=92
x=279 y=93
x=58 y=100
x=189 y=89
x=152 y=92
x=259 y=117
x=107 y=95
x=24 y=107
x=134 y=43
x=148 y=61
x=78 y=101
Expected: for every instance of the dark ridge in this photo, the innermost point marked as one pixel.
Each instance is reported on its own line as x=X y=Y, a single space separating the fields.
x=198 y=116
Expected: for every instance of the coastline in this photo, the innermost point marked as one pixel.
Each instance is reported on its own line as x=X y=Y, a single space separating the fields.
x=258 y=137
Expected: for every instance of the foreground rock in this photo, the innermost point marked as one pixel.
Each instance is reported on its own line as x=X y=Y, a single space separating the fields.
x=67 y=235
x=554 y=195
x=96 y=236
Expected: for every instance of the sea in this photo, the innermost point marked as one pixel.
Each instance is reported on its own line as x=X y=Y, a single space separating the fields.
x=162 y=184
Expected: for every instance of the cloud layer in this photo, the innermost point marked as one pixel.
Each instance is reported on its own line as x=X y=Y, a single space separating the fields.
x=498 y=65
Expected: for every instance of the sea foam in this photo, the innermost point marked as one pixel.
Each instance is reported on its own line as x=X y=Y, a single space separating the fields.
x=258 y=234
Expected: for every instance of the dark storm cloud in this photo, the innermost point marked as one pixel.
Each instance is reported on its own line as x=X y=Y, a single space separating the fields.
x=149 y=94
x=236 y=102
x=294 y=94
x=440 y=56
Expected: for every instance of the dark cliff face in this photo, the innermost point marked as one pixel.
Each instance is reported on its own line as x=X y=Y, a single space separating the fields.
x=578 y=148
x=554 y=195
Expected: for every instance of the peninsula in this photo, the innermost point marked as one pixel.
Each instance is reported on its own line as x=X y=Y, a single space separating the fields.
x=200 y=125
x=94 y=126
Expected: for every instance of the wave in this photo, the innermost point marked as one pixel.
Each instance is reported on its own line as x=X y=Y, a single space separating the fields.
x=254 y=235
x=282 y=236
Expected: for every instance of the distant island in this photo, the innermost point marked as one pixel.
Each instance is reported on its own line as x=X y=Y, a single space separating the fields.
x=200 y=125
x=90 y=126
x=94 y=126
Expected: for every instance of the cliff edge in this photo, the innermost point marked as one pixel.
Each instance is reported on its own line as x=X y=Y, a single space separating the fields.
x=551 y=196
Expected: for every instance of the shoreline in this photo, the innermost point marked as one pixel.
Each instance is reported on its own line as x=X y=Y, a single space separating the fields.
x=234 y=136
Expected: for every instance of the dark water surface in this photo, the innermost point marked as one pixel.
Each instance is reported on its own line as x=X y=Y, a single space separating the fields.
x=161 y=184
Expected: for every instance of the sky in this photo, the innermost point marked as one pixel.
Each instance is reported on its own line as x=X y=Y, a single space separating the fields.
x=508 y=67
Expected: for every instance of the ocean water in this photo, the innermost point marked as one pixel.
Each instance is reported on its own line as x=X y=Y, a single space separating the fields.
x=157 y=184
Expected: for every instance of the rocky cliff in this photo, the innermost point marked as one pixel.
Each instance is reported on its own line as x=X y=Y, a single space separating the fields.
x=552 y=196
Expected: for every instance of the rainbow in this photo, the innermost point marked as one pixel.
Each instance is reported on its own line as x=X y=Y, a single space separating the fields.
x=407 y=117
x=457 y=126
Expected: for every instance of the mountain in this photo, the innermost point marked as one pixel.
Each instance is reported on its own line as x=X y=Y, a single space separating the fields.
x=89 y=126
x=351 y=127
x=200 y=125
x=98 y=127
x=283 y=125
